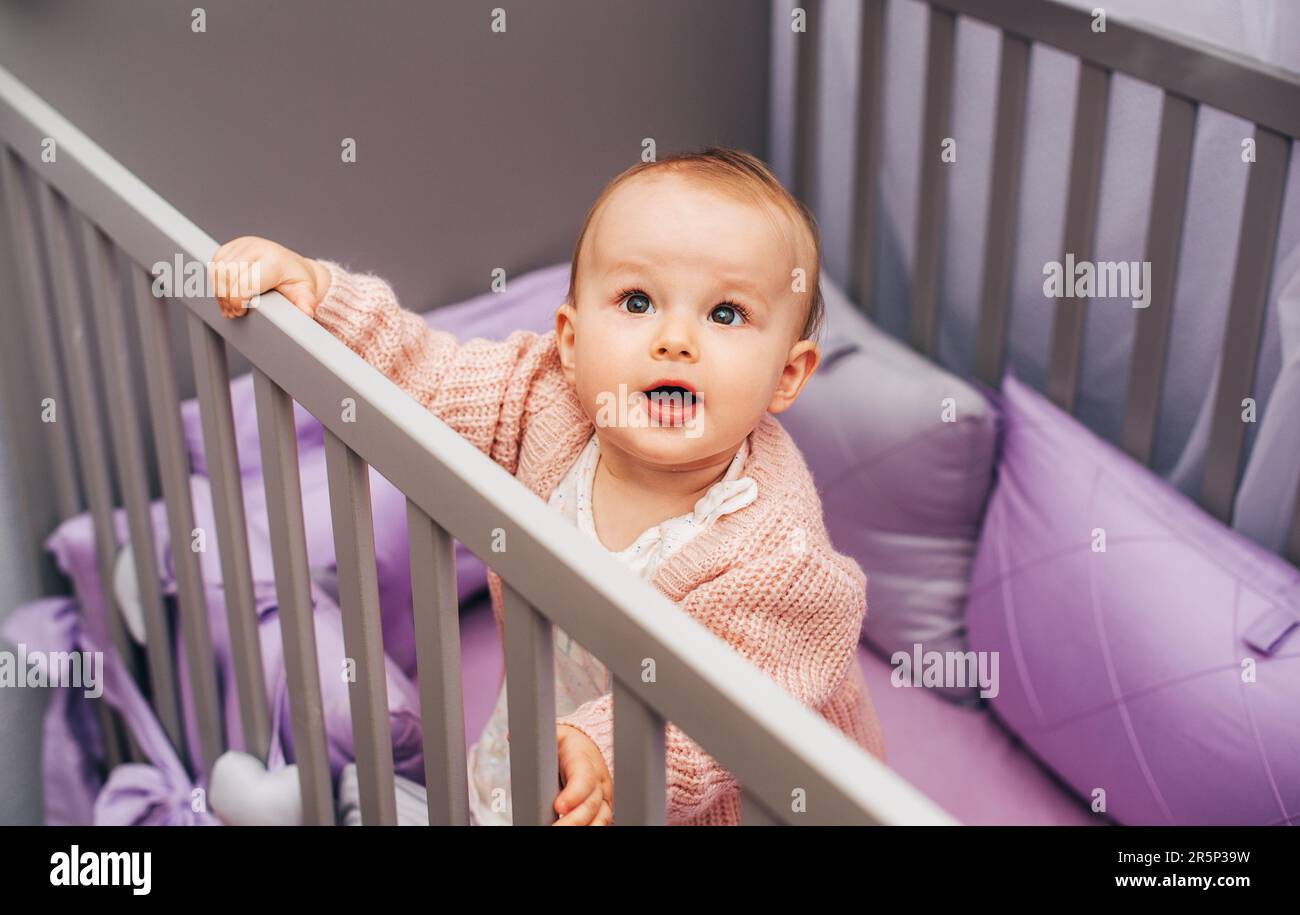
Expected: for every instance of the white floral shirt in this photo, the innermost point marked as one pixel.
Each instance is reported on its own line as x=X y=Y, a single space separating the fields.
x=579 y=676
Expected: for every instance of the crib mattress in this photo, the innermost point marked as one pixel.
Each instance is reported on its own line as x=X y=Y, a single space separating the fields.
x=965 y=760
x=961 y=757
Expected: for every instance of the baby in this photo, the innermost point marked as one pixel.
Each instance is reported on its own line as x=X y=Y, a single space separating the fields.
x=693 y=306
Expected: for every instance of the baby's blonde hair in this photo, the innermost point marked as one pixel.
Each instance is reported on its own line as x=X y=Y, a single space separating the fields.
x=744 y=175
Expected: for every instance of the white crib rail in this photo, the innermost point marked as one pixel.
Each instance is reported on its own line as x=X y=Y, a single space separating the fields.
x=768 y=740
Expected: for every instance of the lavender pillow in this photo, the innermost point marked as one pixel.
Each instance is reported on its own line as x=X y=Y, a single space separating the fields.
x=311 y=434
x=1146 y=651
x=902 y=453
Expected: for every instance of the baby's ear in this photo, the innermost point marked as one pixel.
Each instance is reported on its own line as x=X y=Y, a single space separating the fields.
x=566 y=335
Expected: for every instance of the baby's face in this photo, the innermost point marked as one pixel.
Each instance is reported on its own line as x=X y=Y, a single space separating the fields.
x=682 y=284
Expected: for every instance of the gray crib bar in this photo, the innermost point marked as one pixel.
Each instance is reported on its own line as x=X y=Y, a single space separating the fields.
x=1004 y=202
x=212 y=378
x=279 y=445
x=1258 y=92
x=84 y=408
x=806 y=112
x=1080 y=228
x=89 y=441
x=1251 y=279
x=153 y=321
x=124 y=422
x=753 y=813
x=640 y=793
x=926 y=273
x=59 y=451
x=1293 y=540
x=437 y=653
x=530 y=705
x=867 y=155
x=1164 y=243
x=363 y=637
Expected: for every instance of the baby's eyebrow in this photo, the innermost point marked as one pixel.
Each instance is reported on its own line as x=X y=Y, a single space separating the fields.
x=745 y=286
x=628 y=267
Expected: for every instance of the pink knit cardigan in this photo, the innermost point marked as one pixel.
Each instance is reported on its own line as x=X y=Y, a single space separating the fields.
x=764 y=578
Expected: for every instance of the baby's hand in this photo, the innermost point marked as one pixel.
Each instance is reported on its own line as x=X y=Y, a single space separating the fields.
x=247 y=266
x=587 y=798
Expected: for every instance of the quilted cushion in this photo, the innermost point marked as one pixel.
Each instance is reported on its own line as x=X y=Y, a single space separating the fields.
x=1146 y=651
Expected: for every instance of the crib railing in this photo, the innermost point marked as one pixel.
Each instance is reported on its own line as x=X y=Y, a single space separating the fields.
x=90 y=227
x=1190 y=75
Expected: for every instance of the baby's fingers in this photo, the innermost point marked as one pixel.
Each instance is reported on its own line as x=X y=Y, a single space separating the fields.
x=584 y=813
x=241 y=269
x=242 y=286
x=579 y=783
x=220 y=277
x=224 y=277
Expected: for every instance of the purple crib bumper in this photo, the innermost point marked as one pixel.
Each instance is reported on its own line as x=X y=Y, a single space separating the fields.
x=55 y=625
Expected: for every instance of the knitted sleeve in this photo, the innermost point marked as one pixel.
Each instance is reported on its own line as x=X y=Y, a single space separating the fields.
x=478 y=387
x=797 y=619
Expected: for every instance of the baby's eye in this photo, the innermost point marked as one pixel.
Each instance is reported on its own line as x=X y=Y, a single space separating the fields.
x=643 y=305
x=732 y=315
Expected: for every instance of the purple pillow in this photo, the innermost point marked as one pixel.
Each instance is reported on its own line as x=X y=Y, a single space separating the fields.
x=902 y=453
x=311 y=434
x=1146 y=651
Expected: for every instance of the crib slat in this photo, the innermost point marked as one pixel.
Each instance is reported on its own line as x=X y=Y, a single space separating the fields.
x=808 y=57
x=124 y=423
x=111 y=726
x=753 y=813
x=354 y=542
x=86 y=426
x=640 y=790
x=1293 y=540
x=926 y=273
x=59 y=453
x=1164 y=241
x=279 y=441
x=1004 y=202
x=83 y=405
x=1251 y=279
x=1091 y=101
x=212 y=378
x=437 y=651
x=871 y=82
x=153 y=321
x=530 y=706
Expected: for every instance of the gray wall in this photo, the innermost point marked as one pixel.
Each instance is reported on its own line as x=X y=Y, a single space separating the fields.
x=475 y=150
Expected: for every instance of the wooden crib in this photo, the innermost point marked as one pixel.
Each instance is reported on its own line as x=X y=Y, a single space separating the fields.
x=88 y=225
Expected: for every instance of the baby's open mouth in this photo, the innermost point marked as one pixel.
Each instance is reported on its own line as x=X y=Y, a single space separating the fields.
x=672 y=392
x=670 y=403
